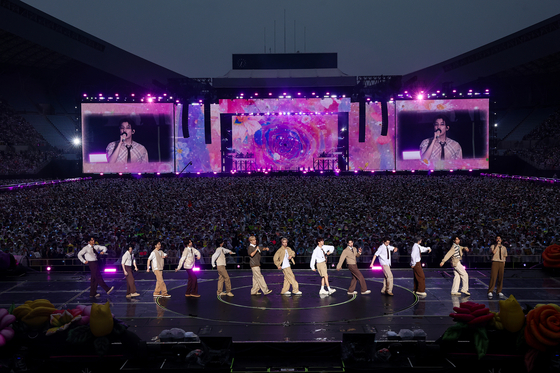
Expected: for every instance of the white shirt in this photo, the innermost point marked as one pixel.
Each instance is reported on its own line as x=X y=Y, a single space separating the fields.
x=286 y=261
x=188 y=257
x=415 y=254
x=87 y=254
x=319 y=255
x=384 y=254
x=128 y=259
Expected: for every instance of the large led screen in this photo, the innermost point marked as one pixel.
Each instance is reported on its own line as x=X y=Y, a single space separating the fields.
x=442 y=134
x=192 y=152
x=376 y=151
x=285 y=141
x=127 y=138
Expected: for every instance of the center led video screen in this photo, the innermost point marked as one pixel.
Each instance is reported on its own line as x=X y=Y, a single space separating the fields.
x=127 y=137
x=285 y=142
x=442 y=134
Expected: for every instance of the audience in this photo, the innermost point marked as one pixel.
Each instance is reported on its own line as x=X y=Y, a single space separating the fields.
x=56 y=221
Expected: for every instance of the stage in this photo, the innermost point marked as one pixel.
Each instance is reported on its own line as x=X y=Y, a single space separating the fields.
x=290 y=323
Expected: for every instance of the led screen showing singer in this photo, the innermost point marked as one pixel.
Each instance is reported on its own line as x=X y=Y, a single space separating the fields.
x=442 y=134
x=127 y=137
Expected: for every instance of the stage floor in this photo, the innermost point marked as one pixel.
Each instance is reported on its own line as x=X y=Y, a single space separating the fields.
x=279 y=318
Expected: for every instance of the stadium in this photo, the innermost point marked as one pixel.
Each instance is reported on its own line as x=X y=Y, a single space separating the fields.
x=104 y=152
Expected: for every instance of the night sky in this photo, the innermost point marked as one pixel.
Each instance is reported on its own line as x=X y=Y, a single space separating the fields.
x=197 y=38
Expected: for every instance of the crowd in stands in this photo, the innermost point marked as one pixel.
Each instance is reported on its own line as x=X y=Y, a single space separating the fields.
x=14 y=131
x=57 y=220
x=546 y=153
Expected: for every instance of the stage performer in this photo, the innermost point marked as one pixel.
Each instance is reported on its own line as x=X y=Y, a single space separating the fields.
x=127 y=262
x=350 y=255
x=90 y=255
x=319 y=256
x=440 y=146
x=282 y=258
x=455 y=254
x=187 y=259
x=254 y=252
x=124 y=150
x=219 y=260
x=416 y=265
x=499 y=254
x=384 y=254
x=156 y=259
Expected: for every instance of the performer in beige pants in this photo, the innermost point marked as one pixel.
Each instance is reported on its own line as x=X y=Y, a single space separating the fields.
x=254 y=252
x=499 y=255
x=455 y=254
x=384 y=254
x=219 y=260
x=282 y=259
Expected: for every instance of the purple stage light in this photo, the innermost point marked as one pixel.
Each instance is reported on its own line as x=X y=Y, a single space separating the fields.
x=101 y=174
x=355 y=171
x=238 y=266
x=198 y=173
x=196 y=269
x=412 y=171
x=470 y=170
x=120 y=173
x=49 y=269
x=420 y=96
x=139 y=174
x=110 y=270
x=376 y=268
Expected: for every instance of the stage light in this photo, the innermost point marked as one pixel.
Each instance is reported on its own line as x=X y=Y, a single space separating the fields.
x=110 y=270
x=313 y=93
x=215 y=172
x=420 y=97
x=85 y=94
x=376 y=268
x=423 y=264
x=394 y=171
x=495 y=124
x=470 y=170
x=198 y=173
x=321 y=171
x=49 y=269
x=269 y=93
x=101 y=174
x=139 y=174
x=196 y=269
x=238 y=266
x=412 y=171
x=76 y=141
x=120 y=173
x=158 y=173
x=176 y=173
x=450 y=170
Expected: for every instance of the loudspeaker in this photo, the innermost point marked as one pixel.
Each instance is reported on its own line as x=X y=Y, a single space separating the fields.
x=207 y=125
x=185 y=120
x=384 y=118
x=362 y=121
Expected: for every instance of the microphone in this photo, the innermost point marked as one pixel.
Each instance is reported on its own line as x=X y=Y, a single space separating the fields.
x=438 y=130
x=125 y=135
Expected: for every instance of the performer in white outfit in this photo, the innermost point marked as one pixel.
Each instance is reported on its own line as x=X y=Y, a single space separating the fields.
x=319 y=257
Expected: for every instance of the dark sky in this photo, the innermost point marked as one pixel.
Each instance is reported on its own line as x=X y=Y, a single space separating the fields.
x=197 y=37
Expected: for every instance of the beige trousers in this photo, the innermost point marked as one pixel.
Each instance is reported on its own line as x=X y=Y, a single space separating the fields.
x=289 y=279
x=223 y=277
x=460 y=275
x=388 y=280
x=258 y=281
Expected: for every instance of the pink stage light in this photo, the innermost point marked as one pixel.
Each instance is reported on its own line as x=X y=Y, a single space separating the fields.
x=355 y=171
x=120 y=173
x=196 y=269
x=412 y=171
x=110 y=270
x=198 y=173
x=49 y=269
x=420 y=97
x=101 y=174
x=376 y=268
x=238 y=266
x=158 y=173
x=139 y=174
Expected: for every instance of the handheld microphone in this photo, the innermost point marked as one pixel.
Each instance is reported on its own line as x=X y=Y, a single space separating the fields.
x=125 y=135
x=438 y=130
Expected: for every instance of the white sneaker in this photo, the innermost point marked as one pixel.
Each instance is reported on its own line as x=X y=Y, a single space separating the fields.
x=352 y=292
x=287 y=293
x=502 y=296
x=366 y=292
x=323 y=292
x=490 y=295
x=421 y=293
x=331 y=291
x=298 y=293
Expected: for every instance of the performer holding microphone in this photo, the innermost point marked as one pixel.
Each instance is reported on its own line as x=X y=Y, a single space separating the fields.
x=125 y=150
x=440 y=147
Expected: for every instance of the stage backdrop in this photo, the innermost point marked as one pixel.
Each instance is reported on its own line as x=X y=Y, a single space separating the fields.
x=466 y=134
x=152 y=128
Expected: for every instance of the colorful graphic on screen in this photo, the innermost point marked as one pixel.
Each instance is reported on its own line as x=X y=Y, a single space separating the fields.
x=442 y=134
x=192 y=153
x=285 y=142
x=377 y=151
x=127 y=137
